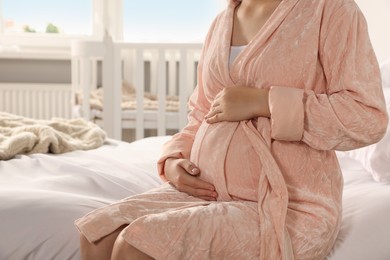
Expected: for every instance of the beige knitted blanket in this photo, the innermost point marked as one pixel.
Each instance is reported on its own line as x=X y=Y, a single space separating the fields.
x=20 y=135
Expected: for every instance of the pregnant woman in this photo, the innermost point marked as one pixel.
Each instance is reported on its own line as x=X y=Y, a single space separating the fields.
x=281 y=86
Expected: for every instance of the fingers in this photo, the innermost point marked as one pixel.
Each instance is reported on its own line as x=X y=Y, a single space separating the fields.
x=216 y=118
x=184 y=176
x=216 y=108
x=215 y=103
x=191 y=184
x=201 y=193
x=196 y=187
x=220 y=94
x=194 y=182
x=207 y=198
x=213 y=112
x=189 y=167
x=197 y=183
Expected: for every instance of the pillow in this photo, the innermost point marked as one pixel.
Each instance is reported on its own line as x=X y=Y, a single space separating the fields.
x=376 y=157
x=385 y=71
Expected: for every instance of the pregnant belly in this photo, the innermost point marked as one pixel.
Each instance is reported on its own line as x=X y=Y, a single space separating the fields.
x=227 y=159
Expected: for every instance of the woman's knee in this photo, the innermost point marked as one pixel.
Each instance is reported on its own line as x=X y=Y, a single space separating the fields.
x=87 y=249
x=123 y=250
x=101 y=249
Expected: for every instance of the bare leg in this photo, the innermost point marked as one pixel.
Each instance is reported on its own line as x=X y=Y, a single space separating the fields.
x=100 y=250
x=123 y=250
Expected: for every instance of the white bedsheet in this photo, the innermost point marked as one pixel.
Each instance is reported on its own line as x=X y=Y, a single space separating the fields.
x=41 y=195
x=365 y=230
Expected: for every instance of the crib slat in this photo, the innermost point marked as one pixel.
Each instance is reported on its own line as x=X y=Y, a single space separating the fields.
x=94 y=73
x=161 y=120
x=85 y=84
x=190 y=72
x=128 y=65
x=183 y=83
x=140 y=90
x=172 y=73
x=117 y=94
x=112 y=115
x=154 y=70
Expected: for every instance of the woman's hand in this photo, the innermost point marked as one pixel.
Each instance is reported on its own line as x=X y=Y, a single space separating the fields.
x=184 y=175
x=239 y=103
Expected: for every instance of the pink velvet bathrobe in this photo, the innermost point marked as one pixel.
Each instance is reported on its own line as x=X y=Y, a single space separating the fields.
x=278 y=180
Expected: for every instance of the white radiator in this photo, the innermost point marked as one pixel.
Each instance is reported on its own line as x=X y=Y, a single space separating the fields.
x=39 y=101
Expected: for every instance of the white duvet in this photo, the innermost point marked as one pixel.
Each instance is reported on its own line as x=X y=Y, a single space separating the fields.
x=41 y=195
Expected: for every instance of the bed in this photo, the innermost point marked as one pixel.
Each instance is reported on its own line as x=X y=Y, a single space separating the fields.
x=42 y=194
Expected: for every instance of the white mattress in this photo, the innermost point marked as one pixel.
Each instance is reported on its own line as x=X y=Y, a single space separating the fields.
x=41 y=195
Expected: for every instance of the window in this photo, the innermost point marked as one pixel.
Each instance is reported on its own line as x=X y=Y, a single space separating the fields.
x=29 y=28
x=32 y=27
x=168 y=20
x=67 y=17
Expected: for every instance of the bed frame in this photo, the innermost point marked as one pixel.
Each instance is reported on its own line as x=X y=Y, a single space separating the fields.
x=162 y=69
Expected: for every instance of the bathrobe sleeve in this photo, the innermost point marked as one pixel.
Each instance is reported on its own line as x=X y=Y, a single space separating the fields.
x=181 y=143
x=351 y=112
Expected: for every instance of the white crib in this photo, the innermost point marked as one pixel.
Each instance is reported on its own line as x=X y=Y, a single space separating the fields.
x=171 y=71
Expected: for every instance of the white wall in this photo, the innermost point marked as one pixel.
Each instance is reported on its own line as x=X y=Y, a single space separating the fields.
x=35 y=71
x=377 y=13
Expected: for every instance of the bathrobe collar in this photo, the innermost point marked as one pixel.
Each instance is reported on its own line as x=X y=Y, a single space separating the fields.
x=258 y=41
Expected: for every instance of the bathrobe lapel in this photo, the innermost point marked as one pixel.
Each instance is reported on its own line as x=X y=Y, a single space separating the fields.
x=273 y=194
x=259 y=41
